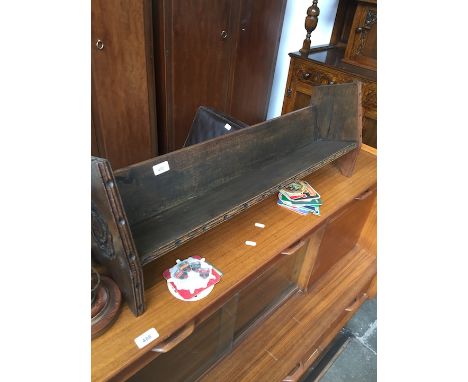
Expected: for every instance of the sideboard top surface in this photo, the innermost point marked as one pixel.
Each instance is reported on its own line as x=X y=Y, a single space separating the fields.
x=332 y=57
x=224 y=246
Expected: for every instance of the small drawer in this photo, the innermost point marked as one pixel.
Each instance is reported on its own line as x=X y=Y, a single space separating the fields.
x=270 y=288
x=315 y=76
x=192 y=356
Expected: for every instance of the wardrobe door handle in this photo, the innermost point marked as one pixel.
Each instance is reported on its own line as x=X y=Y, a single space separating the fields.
x=293 y=248
x=356 y=303
x=172 y=342
x=295 y=373
x=99 y=44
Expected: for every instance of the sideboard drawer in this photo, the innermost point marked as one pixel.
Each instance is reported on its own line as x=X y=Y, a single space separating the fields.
x=196 y=353
x=342 y=233
x=270 y=288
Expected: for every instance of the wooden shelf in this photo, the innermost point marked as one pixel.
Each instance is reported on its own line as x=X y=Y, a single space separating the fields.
x=143 y=211
x=224 y=247
x=171 y=227
x=298 y=326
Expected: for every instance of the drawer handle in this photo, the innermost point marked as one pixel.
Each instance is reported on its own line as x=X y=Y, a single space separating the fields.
x=295 y=373
x=306 y=76
x=170 y=343
x=357 y=303
x=293 y=248
x=365 y=195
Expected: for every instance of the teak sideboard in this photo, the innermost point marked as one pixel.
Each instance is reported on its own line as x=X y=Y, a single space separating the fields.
x=278 y=305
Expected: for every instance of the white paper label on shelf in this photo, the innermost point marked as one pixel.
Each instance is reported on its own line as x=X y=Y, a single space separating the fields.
x=146 y=338
x=259 y=225
x=227 y=126
x=160 y=168
x=251 y=243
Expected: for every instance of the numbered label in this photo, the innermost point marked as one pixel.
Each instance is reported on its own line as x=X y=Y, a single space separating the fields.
x=160 y=168
x=146 y=338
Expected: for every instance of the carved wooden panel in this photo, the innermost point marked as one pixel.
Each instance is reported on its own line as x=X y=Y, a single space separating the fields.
x=304 y=76
x=111 y=240
x=362 y=44
x=369 y=95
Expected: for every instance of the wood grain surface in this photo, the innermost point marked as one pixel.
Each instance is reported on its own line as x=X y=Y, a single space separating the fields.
x=224 y=60
x=273 y=350
x=123 y=103
x=224 y=247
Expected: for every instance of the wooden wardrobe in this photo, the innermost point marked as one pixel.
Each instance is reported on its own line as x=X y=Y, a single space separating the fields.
x=216 y=53
x=154 y=62
x=123 y=112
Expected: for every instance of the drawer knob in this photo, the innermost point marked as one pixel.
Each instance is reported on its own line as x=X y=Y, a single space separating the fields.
x=173 y=341
x=224 y=35
x=306 y=76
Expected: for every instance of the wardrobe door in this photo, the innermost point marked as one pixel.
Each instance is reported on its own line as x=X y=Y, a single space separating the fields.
x=259 y=32
x=195 y=57
x=123 y=114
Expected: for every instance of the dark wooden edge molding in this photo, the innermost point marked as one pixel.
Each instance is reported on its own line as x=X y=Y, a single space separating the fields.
x=111 y=240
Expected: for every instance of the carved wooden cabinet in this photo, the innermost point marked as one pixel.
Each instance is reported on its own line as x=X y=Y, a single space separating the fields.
x=351 y=55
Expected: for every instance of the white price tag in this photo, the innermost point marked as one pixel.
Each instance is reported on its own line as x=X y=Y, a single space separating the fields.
x=160 y=168
x=227 y=126
x=147 y=337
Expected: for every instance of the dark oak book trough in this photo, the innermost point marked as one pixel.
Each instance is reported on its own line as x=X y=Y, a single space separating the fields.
x=210 y=182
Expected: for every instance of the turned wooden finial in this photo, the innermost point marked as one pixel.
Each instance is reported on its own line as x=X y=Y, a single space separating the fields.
x=310 y=24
